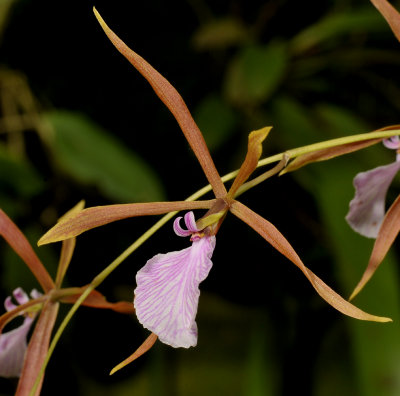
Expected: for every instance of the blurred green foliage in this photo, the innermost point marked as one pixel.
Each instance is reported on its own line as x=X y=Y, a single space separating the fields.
x=85 y=126
x=92 y=156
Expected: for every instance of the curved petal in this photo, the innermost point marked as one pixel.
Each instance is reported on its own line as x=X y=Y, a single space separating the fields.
x=367 y=208
x=387 y=234
x=390 y=14
x=254 y=151
x=12 y=349
x=18 y=242
x=167 y=292
x=392 y=142
x=174 y=102
x=190 y=223
x=272 y=235
x=76 y=224
x=146 y=345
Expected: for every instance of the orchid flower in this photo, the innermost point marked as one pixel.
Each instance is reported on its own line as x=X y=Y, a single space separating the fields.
x=167 y=292
x=166 y=296
x=367 y=208
x=367 y=214
x=13 y=344
x=17 y=356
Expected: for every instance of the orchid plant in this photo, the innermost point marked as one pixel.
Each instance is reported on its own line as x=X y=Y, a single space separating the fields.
x=167 y=291
x=367 y=214
x=17 y=359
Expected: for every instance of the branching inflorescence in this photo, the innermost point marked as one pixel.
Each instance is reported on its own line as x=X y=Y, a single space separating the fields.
x=167 y=291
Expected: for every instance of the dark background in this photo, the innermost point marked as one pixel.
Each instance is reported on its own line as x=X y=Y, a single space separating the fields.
x=314 y=71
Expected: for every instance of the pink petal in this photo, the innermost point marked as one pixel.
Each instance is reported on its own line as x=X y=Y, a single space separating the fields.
x=12 y=349
x=367 y=209
x=179 y=230
x=8 y=304
x=190 y=223
x=20 y=296
x=167 y=292
x=392 y=143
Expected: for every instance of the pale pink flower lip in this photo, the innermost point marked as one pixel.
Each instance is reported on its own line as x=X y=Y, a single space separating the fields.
x=367 y=208
x=392 y=143
x=13 y=343
x=167 y=292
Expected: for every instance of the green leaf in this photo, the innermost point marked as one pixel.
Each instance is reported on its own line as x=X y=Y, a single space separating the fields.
x=17 y=177
x=365 y=20
x=293 y=120
x=90 y=155
x=340 y=119
x=255 y=73
x=378 y=361
x=219 y=34
x=5 y=7
x=216 y=120
x=375 y=349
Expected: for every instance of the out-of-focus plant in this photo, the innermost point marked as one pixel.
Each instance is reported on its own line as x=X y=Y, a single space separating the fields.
x=16 y=359
x=169 y=308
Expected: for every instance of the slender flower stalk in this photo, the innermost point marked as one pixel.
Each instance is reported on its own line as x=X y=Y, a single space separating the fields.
x=367 y=210
x=167 y=291
x=168 y=309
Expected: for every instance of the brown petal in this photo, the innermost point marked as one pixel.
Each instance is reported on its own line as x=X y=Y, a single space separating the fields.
x=37 y=351
x=386 y=236
x=270 y=233
x=254 y=151
x=18 y=242
x=10 y=315
x=171 y=98
x=68 y=247
x=97 y=300
x=335 y=147
x=326 y=154
x=97 y=216
x=390 y=14
x=147 y=344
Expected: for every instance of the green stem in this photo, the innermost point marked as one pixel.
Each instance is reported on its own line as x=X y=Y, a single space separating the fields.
x=103 y=275
x=266 y=175
x=293 y=153
x=107 y=271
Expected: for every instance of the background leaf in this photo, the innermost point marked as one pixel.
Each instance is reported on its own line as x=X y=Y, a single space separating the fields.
x=375 y=363
x=220 y=33
x=337 y=24
x=90 y=155
x=19 y=183
x=255 y=72
x=216 y=119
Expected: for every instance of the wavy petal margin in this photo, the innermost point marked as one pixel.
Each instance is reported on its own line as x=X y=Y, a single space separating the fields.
x=271 y=234
x=173 y=100
x=167 y=292
x=387 y=234
x=97 y=216
x=13 y=346
x=367 y=208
